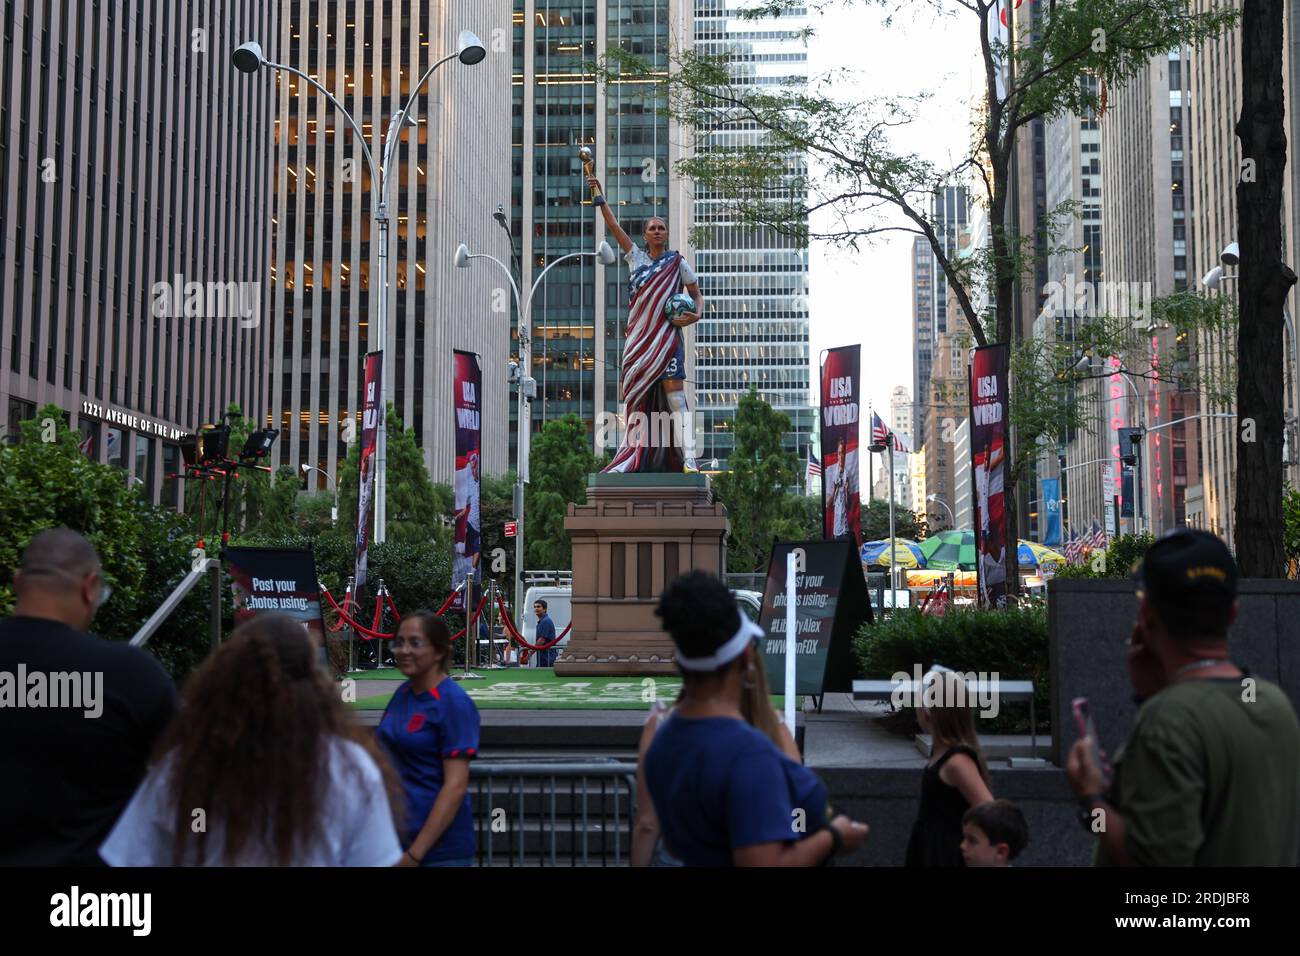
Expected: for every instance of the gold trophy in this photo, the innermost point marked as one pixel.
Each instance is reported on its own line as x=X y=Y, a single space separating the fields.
x=588 y=166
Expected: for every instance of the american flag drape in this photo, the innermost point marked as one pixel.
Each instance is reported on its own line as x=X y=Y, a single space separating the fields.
x=814 y=466
x=648 y=346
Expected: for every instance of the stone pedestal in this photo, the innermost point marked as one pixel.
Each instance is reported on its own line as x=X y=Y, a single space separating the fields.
x=634 y=535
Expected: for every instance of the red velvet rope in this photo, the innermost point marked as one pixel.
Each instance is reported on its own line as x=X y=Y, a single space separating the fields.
x=347 y=603
x=366 y=633
x=520 y=639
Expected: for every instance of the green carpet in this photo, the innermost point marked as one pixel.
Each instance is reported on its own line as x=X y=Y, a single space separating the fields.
x=520 y=688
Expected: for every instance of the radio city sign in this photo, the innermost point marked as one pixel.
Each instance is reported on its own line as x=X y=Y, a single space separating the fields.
x=117 y=416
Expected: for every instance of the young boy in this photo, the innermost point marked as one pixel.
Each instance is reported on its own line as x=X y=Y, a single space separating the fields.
x=993 y=834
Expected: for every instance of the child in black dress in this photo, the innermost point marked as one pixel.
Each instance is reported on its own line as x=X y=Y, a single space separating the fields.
x=956 y=777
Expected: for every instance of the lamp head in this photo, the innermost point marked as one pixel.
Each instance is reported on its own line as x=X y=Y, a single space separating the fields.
x=605 y=253
x=248 y=57
x=470 y=47
x=1231 y=254
x=1084 y=364
x=1212 y=278
x=461 y=258
x=305 y=467
x=931 y=497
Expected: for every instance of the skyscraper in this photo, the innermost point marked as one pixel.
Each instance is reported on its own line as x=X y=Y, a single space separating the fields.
x=134 y=223
x=755 y=281
x=922 y=325
x=449 y=174
x=580 y=312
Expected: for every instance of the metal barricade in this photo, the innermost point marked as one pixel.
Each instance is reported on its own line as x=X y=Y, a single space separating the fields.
x=553 y=813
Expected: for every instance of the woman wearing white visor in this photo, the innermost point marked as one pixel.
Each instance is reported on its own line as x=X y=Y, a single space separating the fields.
x=725 y=794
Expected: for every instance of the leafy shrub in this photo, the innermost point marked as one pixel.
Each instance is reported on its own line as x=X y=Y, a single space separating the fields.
x=1011 y=642
x=144 y=550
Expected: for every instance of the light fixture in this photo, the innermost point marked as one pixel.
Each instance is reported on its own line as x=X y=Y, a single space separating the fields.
x=1231 y=254
x=461 y=259
x=248 y=57
x=1212 y=278
x=471 y=48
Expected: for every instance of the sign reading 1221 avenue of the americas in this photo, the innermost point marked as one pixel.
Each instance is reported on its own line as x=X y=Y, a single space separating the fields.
x=118 y=416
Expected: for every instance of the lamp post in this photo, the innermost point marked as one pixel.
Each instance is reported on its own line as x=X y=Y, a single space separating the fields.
x=951 y=518
x=527 y=387
x=1231 y=255
x=469 y=50
x=334 y=511
x=893 y=564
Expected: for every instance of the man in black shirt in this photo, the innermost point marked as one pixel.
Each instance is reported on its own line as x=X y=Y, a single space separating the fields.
x=79 y=715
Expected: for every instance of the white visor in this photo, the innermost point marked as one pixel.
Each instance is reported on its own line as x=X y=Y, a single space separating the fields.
x=727 y=653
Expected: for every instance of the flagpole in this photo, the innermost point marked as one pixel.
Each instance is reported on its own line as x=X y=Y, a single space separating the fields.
x=893 y=543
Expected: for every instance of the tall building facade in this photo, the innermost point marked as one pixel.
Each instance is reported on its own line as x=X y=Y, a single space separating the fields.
x=922 y=324
x=449 y=173
x=754 y=333
x=901 y=415
x=579 y=315
x=1146 y=172
x=134 y=239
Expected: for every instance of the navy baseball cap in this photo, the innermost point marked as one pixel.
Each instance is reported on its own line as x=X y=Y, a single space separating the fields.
x=1191 y=570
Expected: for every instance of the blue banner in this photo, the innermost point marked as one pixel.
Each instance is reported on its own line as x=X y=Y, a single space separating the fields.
x=1052 y=508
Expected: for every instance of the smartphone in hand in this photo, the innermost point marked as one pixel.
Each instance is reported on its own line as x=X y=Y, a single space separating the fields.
x=1088 y=731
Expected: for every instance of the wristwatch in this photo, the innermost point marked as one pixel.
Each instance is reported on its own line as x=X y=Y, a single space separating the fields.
x=837 y=841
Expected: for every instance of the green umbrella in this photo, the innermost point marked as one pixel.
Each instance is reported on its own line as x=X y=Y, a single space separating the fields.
x=950 y=551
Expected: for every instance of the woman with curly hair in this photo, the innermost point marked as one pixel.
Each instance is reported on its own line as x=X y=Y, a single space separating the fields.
x=262 y=766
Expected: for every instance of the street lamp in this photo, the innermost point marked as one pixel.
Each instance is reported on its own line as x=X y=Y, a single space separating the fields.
x=1231 y=256
x=527 y=386
x=952 y=520
x=247 y=58
x=334 y=511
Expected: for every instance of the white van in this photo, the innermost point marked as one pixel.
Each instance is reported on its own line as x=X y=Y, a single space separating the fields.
x=559 y=606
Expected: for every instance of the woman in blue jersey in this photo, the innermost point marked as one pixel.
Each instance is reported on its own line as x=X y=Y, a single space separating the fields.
x=724 y=793
x=431 y=731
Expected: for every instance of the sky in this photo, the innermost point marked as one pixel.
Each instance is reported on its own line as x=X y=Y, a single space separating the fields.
x=865 y=297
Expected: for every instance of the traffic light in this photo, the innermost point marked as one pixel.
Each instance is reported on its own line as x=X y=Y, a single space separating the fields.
x=1130 y=445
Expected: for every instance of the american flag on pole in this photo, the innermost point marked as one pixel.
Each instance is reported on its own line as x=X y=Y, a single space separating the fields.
x=1071 y=549
x=881 y=435
x=814 y=466
x=1098 y=537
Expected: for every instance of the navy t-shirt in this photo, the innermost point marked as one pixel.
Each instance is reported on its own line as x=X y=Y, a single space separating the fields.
x=419 y=731
x=719 y=785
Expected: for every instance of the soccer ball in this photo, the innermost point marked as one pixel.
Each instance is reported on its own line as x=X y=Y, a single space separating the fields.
x=679 y=305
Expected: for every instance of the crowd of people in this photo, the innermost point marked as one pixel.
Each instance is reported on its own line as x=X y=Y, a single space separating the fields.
x=259 y=761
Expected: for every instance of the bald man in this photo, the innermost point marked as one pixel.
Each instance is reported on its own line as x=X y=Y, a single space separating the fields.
x=79 y=715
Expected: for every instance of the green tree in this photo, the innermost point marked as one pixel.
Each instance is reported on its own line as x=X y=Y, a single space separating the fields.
x=413 y=503
x=756 y=488
x=866 y=187
x=559 y=464
x=145 y=551
x=875 y=522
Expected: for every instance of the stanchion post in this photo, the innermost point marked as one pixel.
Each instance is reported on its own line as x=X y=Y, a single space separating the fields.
x=215 y=617
x=791 y=563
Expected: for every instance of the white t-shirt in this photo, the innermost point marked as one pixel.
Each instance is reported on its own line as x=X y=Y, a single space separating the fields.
x=638 y=258
x=357 y=829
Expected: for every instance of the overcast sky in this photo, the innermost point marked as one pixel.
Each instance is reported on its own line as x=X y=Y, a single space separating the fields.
x=866 y=297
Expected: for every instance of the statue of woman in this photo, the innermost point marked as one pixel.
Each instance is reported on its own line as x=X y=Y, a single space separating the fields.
x=653 y=375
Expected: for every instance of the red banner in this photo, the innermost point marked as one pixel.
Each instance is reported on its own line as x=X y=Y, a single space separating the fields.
x=840 y=384
x=467 y=384
x=988 y=457
x=372 y=407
